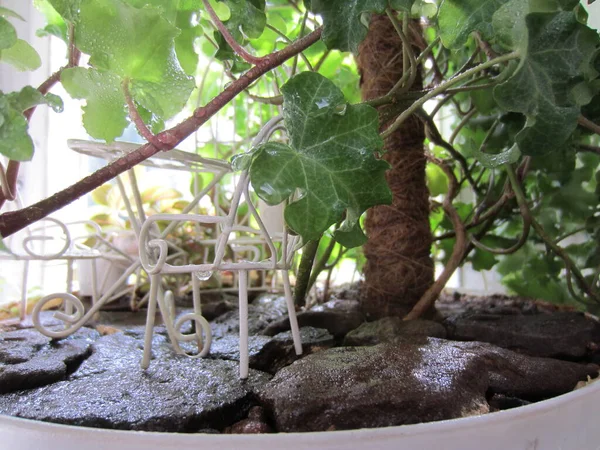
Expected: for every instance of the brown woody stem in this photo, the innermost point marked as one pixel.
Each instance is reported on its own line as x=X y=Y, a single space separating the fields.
x=137 y=119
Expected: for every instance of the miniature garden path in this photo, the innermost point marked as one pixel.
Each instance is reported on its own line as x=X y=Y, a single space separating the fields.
x=354 y=373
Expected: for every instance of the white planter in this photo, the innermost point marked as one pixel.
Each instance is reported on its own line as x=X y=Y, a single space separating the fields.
x=108 y=270
x=567 y=422
x=108 y=273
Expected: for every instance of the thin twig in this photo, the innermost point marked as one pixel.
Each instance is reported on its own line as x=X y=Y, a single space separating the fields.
x=321 y=60
x=473 y=87
x=427 y=300
x=295 y=60
x=587 y=123
x=289 y=41
x=513 y=248
x=485 y=46
x=443 y=87
x=559 y=251
x=321 y=264
x=276 y=100
x=589 y=149
x=241 y=51
x=569 y=234
x=436 y=138
x=461 y=124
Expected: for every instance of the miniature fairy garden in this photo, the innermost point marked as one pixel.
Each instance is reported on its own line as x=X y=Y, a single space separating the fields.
x=397 y=136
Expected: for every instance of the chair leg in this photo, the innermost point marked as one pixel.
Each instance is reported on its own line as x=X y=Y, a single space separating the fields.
x=243 y=294
x=23 y=307
x=197 y=302
x=68 y=306
x=152 y=300
x=95 y=295
x=292 y=312
x=168 y=320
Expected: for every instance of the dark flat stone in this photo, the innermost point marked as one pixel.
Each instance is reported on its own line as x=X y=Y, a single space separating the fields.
x=228 y=347
x=19 y=346
x=264 y=310
x=110 y=390
x=338 y=323
x=566 y=335
x=412 y=380
x=451 y=304
x=279 y=351
x=212 y=310
x=338 y=304
x=389 y=328
x=270 y=354
x=29 y=359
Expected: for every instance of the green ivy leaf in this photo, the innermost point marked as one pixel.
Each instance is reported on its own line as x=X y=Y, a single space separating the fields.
x=5 y=12
x=68 y=9
x=3 y=247
x=403 y=5
x=459 y=18
x=29 y=96
x=247 y=20
x=355 y=237
x=8 y=34
x=185 y=42
x=168 y=9
x=492 y=161
x=558 y=48
x=55 y=24
x=104 y=114
x=15 y=142
x=21 y=56
x=343 y=26
x=330 y=160
x=510 y=26
x=482 y=260
x=142 y=54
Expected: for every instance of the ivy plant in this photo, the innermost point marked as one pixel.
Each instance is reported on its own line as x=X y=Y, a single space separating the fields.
x=513 y=177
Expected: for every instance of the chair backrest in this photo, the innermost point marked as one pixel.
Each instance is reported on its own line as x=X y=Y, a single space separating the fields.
x=232 y=240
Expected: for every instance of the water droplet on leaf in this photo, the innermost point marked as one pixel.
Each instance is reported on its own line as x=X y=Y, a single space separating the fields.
x=340 y=110
x=322 y=103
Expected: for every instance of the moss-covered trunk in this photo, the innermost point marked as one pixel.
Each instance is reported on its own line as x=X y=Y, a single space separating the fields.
x=399 y=267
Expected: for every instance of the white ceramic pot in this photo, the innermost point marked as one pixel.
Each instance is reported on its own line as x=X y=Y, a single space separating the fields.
x=567 y=422
x=108 y=271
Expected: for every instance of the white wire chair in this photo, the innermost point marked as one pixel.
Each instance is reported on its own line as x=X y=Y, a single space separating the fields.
x=233 y=239
x=154 y=253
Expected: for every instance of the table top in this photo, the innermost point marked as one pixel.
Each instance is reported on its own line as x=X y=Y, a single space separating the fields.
x=173 y=159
